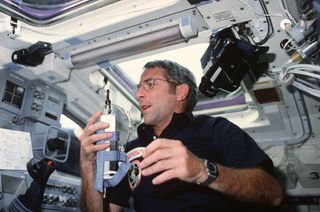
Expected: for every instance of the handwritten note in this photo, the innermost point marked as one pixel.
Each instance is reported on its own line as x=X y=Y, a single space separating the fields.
x=15 y=149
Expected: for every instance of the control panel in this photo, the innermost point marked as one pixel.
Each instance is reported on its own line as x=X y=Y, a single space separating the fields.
x=62 y=192
x=30 y=105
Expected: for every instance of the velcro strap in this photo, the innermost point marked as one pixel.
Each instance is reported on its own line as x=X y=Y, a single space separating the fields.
x=103 y=156
x=121 y=173
x=100 y=183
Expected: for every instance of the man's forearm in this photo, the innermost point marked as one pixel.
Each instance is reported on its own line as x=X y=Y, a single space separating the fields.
x=250 y=185
x=91 y=200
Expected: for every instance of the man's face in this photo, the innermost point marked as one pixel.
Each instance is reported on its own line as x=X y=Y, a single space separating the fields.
x=159 y=103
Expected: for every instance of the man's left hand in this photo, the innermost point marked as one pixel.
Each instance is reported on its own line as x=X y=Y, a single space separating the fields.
x=171 y=159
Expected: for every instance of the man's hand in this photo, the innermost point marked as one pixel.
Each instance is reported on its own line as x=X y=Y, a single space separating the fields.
x=171 y=159
x=88 y=139
x=91 y=200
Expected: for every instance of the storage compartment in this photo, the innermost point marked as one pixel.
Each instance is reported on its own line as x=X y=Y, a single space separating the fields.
x=307 y=165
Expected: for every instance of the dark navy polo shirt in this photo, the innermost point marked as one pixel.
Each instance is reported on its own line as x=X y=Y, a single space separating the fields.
x=215 y=139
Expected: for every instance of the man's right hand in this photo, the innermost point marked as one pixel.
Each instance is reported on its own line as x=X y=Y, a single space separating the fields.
x=88 y=139
x=91 y=200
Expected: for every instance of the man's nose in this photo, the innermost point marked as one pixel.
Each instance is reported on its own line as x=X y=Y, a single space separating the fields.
x=140 y=93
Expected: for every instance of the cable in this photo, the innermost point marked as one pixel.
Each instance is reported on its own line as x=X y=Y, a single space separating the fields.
x=258 y=13
x=283 y=8
x=270 y=25
x=293 y=75
x=266 y=14
x=273 y=74
x=289 y=45
x=234 y=93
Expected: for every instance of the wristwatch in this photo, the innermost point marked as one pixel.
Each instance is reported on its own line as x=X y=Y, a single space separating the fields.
x=212 y=170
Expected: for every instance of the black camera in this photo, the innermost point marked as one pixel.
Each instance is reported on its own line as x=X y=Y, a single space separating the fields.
x=226 y=61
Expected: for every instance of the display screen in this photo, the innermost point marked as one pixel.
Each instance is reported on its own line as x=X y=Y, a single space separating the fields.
x=13 y=94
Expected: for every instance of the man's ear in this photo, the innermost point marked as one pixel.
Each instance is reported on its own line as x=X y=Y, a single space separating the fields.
x=182 y=91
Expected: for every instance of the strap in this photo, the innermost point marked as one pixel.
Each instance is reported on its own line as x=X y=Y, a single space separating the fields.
x=122 y=171
x=103 y=156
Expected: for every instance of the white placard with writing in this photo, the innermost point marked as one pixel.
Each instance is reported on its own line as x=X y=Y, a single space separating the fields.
x=15 y=149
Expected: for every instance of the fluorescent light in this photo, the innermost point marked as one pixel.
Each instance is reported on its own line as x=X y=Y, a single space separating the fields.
x=178 y=33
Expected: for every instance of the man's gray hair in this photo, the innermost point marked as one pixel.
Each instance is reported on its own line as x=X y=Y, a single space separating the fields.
x=177 y=73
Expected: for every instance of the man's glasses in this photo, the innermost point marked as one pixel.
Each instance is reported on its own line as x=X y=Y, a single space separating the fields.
x=148 y=84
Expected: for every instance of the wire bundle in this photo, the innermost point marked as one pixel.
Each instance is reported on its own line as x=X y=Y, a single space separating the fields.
x=298 y=75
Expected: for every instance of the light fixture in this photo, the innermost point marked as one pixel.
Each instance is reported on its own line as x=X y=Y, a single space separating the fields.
x=170 y=35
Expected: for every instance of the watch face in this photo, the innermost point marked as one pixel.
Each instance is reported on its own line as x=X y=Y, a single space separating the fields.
x=212 y=167
x=212 y=172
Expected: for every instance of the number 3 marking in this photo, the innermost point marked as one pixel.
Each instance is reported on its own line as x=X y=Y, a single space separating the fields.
x=315 y=175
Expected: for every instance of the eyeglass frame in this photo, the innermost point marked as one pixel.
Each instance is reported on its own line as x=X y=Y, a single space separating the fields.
x=153 y=80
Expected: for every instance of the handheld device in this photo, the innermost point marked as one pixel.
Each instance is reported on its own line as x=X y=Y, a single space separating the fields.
x=111 y=164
